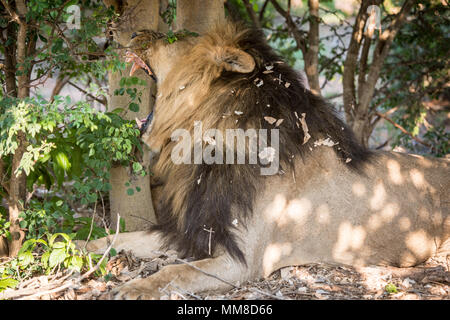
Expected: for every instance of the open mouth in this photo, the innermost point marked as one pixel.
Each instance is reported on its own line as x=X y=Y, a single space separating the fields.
x=138 y=63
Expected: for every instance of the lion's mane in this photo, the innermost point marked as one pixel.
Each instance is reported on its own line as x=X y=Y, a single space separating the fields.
x=187 y=207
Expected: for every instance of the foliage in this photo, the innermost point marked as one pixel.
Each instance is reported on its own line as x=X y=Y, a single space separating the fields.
x=67 y=142
x=39 y=256
x=416 y=72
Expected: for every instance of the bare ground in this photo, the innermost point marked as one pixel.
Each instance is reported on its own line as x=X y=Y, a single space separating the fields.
x=430 y=281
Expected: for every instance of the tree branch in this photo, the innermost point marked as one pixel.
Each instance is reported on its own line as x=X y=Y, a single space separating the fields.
x=298 y=36
x=382 y=115
x=381 y=51
x=251 y=13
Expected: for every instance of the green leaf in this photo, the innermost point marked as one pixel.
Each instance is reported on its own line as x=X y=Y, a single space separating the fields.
x=8 y=283
x=59 y=245
x=44 y=258
x=62 y=160
x=130 y=191
x=137 y=167
x=390 y=288
x=76 y=263
x=56 y=257
x=134 y=107
x=25 y=258
x=27 y=246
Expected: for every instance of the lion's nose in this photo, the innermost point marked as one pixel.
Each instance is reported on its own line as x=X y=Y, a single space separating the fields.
x=133 y=35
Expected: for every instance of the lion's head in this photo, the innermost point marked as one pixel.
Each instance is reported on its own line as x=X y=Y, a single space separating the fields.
x=229 y=78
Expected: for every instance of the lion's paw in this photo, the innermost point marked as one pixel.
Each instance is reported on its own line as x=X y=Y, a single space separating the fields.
x=138 y=289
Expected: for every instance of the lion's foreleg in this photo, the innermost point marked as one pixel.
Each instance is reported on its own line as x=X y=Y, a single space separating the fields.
x=141 y=243
x=185 y=279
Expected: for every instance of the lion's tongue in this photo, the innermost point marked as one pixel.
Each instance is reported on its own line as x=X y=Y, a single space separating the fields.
x=138 y=63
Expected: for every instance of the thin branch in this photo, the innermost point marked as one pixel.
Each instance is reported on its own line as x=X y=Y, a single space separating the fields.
x=102 y=101
x=251 y=13
x=11 y=12
x=262 y=11
x=382 y=115
x=292 y=26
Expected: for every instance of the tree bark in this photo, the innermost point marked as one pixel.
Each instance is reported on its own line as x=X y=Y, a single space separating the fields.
x=199 y=15
x=18 y=180
x=136 y=209
x=309 y=46
x=357 y=102
x=312 y=53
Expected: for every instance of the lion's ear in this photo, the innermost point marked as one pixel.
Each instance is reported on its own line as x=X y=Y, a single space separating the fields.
x=235 y=60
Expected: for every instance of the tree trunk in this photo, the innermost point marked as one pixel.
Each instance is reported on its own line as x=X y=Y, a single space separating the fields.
x=357 y=100
x=18 y=181
x=136 y=209
x=199 y=15
x=312 y=53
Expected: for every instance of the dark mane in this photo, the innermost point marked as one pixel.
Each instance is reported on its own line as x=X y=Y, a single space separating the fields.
x=280 y=95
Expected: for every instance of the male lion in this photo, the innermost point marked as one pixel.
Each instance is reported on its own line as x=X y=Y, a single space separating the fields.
x=331 y=200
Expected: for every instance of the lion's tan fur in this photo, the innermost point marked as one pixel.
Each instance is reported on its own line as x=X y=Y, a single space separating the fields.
x=393 y=210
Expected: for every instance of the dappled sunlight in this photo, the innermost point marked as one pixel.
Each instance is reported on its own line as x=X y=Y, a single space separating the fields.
x=379 y=196
x=417 y=178
x=299 y=210
x=323 y=214
x=420 y=243
x=359 y=189
x=276 y=208
x=273 y=255
x=394 y=170
x=404 y=223
x=389 y=212
x=350 y=239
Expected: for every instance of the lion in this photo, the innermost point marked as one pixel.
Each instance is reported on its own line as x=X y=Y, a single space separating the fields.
x=331 y=201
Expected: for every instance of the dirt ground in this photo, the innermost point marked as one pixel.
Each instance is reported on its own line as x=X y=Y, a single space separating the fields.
x=430 y=281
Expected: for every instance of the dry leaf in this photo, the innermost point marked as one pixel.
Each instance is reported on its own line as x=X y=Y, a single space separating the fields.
x=270 y=120
x=305 y=129
x=325 y=142
x=287 y=84
x=258 y=82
